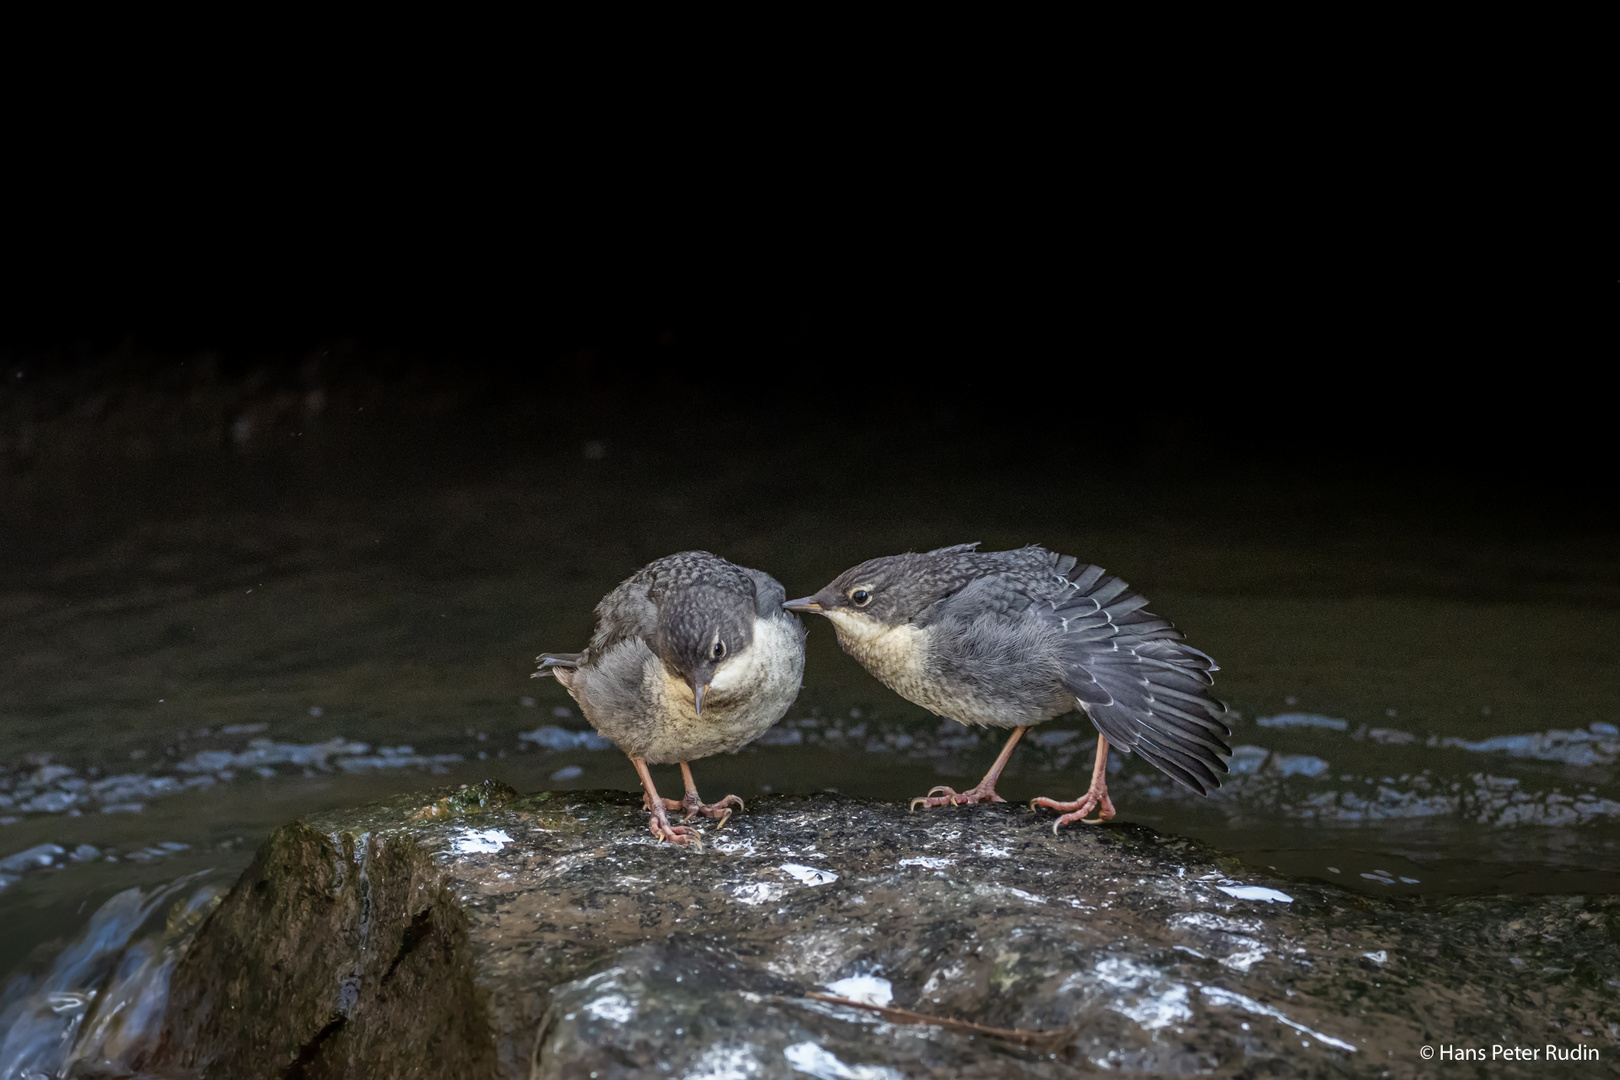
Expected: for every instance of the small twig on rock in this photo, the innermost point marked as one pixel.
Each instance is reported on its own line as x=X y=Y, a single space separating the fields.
x=906 y=1016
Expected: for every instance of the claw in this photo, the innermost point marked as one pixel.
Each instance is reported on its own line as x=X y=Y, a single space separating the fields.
x=679 y=835
x=724 y=815
x=693 y=805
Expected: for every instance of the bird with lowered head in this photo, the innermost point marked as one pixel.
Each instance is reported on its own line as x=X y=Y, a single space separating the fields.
x=692 y=656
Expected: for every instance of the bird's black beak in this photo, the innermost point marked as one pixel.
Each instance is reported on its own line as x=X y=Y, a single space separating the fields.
x=697 y=697
x=809 y=604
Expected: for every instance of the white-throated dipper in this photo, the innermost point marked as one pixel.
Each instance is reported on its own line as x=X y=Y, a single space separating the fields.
x=1011 y=639
x=692 y=655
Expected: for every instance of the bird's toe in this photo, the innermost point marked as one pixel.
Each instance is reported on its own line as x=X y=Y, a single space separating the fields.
x=720 y=809
x=949 y=797
x=1078 y=809
x=679 y=835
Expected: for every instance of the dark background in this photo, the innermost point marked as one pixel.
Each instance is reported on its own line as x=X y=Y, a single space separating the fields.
x=1297 y=333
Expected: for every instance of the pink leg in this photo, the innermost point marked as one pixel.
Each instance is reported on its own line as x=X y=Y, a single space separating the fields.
x=984 y=791
x=694 y=805
x=659 y=825
x=1096 y=797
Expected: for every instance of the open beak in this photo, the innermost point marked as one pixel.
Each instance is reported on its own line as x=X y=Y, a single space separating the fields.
x=697 y=698
x=808 y=604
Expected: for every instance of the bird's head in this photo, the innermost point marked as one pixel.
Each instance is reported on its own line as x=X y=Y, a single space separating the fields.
x=875 y=596
x=702 y=633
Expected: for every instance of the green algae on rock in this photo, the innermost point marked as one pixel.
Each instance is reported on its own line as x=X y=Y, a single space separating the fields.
x=481 y=934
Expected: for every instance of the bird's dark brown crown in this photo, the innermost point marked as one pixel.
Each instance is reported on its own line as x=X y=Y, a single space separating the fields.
x=701 y=626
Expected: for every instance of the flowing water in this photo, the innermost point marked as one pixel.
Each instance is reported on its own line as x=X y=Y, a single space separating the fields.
x=204 y=642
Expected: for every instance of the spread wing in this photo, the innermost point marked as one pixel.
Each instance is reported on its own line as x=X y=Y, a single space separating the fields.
x=1144 y=688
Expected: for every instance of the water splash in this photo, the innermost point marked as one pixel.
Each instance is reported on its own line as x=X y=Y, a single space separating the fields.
x=56 y=789
x=99 y=1007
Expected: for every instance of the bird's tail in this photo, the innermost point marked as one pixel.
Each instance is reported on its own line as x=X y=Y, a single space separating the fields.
x=551 y=661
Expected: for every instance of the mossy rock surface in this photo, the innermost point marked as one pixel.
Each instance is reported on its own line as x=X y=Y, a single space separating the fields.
x=478 y=933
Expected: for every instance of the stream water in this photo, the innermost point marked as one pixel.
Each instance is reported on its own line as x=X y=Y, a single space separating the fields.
x=200 y=645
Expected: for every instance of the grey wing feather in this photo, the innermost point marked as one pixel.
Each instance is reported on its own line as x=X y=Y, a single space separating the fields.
x=626 y=612
x=955 y=549
x=769 y=595
x=1146 y=690
x=994 y=597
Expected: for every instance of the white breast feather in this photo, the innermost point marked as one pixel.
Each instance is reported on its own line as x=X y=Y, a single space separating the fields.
x=748 y=694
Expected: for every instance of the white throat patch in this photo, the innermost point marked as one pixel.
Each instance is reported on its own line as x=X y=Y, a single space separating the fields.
x=735 y=670
x=892 y=653
x=852 y=626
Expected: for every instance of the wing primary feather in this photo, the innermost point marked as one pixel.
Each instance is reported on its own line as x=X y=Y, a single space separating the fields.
x=1121 y=608
x=1213 y=707
x=1086 y=578
x=1173 y=771
x=1109 y=589
x=1209 y=723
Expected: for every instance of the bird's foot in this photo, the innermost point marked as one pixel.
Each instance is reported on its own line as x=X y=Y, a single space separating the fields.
x=669 y=804
x=1096 y=798
x=694 y=805
x=982 y=792
x=679 y=835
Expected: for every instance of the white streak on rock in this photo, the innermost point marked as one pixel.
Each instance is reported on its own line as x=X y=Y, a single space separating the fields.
x=473 y=841
x=866 y=989
x=1167 y=1008
x=807 y=1057
x=1255 y=892
x=808 y=875
x=1219 y=996
x=759 y=892
x=724 y=1061
x=615 y=1008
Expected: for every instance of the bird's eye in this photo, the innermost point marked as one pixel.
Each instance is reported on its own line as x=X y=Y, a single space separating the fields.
x=719 y=650
x=861 y=597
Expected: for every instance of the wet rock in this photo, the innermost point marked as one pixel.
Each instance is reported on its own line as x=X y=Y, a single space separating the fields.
x=482 y=934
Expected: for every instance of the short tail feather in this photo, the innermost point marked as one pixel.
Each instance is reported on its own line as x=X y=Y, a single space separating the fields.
x=550 y=661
